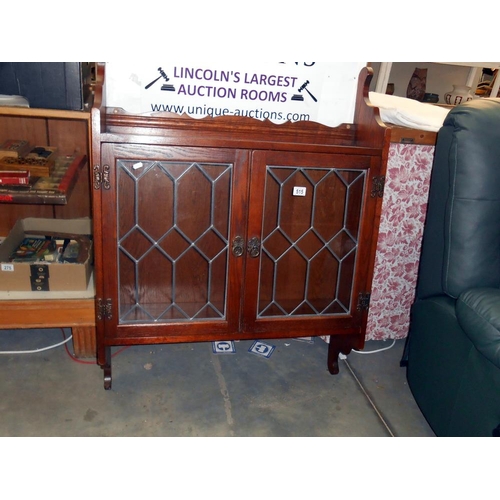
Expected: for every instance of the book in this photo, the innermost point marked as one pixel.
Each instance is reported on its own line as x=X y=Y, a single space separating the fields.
x=14 y=177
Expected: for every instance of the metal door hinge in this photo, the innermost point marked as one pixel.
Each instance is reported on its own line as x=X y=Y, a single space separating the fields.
x=104 y=309
x=378 y=186
x=363 y=301
x=101 y=177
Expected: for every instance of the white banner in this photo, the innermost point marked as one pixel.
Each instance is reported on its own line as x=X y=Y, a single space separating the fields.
x=322 y=92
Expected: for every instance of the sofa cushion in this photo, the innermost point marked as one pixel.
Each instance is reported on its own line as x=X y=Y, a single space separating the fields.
x=461 y=241
x=472 y=232
x=478 y=312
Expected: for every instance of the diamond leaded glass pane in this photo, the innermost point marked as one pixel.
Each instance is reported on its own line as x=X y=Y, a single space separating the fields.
x=311 y=226
x=173 y=231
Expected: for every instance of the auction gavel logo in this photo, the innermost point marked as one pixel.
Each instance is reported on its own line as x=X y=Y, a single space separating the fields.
x=162 y=75
x=303 y=87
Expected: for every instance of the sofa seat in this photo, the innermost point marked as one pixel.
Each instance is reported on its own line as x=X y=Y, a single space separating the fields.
x=455 y=385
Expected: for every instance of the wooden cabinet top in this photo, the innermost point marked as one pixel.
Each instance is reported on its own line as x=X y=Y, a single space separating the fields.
x=117 y=125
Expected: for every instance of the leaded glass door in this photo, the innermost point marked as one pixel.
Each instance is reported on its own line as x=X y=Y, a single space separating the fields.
x=168 y=240
x=310 y=259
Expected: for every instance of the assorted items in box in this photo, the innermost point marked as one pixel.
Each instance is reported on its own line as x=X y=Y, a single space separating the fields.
x=52 y=249
x=47 y=255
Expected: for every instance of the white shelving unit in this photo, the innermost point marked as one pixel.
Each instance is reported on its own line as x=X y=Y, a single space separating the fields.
x=385 y=69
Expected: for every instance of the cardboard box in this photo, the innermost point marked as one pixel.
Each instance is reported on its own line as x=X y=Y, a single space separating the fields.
x=53 y=85
x=44 y=276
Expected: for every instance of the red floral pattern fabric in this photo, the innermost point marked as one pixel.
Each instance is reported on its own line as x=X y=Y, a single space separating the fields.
x=398 y=250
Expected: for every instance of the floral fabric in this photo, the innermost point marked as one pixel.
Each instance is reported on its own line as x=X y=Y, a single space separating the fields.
x=398 y=250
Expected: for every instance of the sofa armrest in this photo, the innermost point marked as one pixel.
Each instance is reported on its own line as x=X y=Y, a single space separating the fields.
x=478 y=312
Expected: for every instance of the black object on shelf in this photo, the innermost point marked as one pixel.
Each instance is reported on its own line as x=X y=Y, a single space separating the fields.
x=52 y=85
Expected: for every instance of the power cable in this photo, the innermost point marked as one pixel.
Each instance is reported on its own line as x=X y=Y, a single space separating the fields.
x=386 y=425
x=41 y=349
x=376 y=350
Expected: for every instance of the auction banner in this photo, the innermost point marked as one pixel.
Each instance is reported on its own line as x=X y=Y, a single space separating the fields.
x=322 y=92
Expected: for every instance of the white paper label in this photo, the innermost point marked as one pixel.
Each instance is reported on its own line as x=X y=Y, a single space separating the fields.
x=8 y=267
x=299 y=191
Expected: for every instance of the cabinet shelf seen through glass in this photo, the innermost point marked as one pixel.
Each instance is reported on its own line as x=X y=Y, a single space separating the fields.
x=311 y=224
x=173 y=249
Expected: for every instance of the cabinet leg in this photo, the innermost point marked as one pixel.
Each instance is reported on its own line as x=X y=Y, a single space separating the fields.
x=340 y=344
x=107 y=368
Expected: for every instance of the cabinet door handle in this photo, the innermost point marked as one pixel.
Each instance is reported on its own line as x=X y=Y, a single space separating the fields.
x=238 y=246
x=253 y=247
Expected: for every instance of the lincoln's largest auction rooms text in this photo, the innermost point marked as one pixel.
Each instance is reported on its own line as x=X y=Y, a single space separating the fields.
x=211 y=83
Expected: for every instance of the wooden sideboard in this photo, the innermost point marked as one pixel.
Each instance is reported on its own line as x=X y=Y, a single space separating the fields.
x=229 y=228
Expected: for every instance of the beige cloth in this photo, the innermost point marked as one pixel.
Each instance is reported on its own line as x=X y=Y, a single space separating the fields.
x=408 y=112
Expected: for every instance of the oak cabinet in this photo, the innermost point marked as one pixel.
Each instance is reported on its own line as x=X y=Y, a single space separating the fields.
x=227 y=229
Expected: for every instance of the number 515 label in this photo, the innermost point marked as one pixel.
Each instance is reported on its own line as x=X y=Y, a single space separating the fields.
x=299 y=191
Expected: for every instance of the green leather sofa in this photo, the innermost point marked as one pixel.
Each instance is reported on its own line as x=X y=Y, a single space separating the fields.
x=453 y=356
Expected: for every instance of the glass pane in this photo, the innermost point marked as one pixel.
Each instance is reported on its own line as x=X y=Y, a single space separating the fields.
x=311 y=226
x=173 y=231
